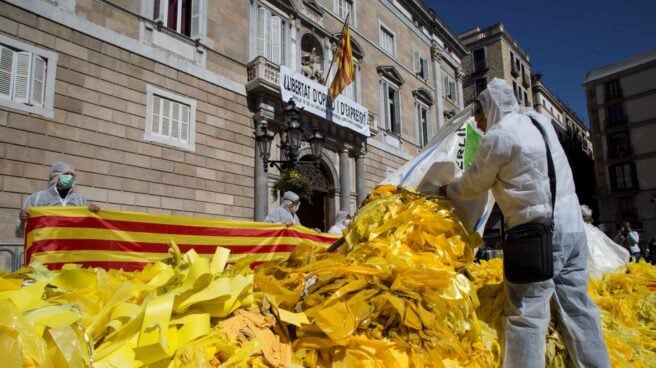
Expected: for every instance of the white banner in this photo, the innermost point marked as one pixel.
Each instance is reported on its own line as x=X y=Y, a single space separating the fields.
x=314 y=98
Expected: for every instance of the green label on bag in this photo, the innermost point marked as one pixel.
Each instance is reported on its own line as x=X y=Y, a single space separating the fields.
x=472 y=141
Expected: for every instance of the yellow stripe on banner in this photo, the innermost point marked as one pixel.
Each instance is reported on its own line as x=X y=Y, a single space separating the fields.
x=160 y=219
x=64 y=256
x=56 y=233
x=73 y=256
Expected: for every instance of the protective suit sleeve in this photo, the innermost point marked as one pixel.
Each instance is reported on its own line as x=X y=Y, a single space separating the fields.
x=493 y=153
x=19 y=228
x=278 y=216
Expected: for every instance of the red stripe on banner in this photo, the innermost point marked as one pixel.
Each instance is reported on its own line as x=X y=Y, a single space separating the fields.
x=113 y=245
x=133 y=226
x=126 y=266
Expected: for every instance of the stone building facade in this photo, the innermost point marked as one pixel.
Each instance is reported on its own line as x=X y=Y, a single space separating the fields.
x=494 y=53
x=574 y=138
x=622 y=107
x=155 y=102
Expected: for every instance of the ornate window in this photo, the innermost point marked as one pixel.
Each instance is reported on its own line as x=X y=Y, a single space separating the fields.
x=182 y=16
x=170 y=119
x=27 y=77
x=270 y=31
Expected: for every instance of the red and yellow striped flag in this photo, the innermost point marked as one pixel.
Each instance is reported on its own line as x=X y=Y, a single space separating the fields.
x=55 y=236
x=345 y=68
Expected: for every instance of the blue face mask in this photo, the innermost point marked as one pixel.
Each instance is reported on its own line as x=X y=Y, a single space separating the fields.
x=66 y=181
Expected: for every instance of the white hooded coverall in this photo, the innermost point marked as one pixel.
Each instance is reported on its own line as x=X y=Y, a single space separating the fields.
x=50 y=196
x=282 y=214
x=512 y=162
x=341 y=218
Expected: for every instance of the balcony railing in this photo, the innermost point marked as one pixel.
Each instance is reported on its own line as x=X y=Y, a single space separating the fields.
x=514 y=71
x=262 y=73
x=526 y=81
x=480 y=66
x=617 y=120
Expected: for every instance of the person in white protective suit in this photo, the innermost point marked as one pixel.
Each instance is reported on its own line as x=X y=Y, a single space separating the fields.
x=286 y=212
x=60 y=192
x=342 y=221
x=512 y=162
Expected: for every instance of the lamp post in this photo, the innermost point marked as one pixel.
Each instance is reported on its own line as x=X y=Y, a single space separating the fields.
x=290 y=144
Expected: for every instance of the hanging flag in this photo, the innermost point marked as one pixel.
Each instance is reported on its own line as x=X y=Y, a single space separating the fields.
x=345 y=68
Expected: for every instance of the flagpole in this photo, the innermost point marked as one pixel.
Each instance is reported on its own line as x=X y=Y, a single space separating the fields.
x=338 y=43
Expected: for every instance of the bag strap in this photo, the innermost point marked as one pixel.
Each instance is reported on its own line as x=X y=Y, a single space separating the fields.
x=550 y=167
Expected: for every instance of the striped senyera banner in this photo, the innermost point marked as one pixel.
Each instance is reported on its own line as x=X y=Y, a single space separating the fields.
x=55 y=236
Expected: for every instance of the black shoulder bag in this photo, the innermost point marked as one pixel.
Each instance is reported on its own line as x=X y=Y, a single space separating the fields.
x=527 y=248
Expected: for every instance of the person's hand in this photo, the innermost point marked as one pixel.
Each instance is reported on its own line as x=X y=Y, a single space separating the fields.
x=94 y=208
x=24 y=215
x=289 y=223
x=317 y=230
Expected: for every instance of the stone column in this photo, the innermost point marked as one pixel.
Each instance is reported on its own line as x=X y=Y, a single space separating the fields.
x=344 y=180
x=293 y=43
x=459 y=77
x=359 y=177
x=261 y=183
x=437 y=72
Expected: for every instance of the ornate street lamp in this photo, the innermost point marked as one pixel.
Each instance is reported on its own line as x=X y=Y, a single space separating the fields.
x=290 y=144
x=316 y=144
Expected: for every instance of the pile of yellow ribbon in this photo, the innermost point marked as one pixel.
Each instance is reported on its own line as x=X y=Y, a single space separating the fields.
x=394 y=298
x=395 y=295
x=191 y=313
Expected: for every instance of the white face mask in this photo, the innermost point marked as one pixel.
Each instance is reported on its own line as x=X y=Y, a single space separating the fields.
x=294 y=207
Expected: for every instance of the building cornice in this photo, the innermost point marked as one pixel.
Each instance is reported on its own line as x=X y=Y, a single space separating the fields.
x=621 y=67
x=491 y=34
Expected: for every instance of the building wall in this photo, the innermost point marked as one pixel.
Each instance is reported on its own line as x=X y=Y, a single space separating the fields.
x=99 y=122
x=109 y=54
x=638 y=88
x=497 y=54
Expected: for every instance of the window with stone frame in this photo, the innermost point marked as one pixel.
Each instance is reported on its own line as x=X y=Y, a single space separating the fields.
x=351 y=91
x=170 y=119
x=613 y=89
x=619 y=145
x=480 y=63
x=270 y=35
x=387 y=40
x=616 y=114
x=182 y=16
x=27 y=77
x=420 y=66
x=480 y=85
x=423 y=123
x=450 y=90
x=343 y=8
x=623 y=177
x=391 y=107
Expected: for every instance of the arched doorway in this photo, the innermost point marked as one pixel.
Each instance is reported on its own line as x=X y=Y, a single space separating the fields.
x=317 y=213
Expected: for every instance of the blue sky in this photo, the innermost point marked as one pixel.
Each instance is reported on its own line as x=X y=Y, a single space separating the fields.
x=564 y=39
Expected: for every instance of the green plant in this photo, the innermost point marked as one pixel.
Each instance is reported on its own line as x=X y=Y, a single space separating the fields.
x=294 y=181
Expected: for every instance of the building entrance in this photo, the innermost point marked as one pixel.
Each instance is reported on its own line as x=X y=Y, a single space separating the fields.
x=318 y=212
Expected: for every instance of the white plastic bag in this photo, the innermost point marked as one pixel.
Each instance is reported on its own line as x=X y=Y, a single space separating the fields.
x=604 y=254
x=444 y=159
